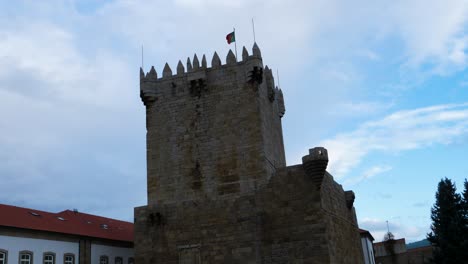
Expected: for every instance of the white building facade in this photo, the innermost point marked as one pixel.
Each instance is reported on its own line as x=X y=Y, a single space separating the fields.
x=367 y=246
x=30 y=236
x=33 y=250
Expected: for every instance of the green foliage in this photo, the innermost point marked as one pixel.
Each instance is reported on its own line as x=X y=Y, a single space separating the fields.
x=449 y=224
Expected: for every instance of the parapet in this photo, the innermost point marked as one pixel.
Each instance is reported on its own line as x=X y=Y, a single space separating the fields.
x=350 y=197
x=315 y=164
x=192 y=68
x=195 y=76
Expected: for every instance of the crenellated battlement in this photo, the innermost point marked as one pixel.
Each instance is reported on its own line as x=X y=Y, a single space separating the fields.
x=192 y=78
x=193 y=68
x=195 y=77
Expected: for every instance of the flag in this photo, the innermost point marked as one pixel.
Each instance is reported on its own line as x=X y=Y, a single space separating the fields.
x=231 y=37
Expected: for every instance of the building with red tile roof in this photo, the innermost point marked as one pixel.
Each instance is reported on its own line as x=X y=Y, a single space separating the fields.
x=29 y=236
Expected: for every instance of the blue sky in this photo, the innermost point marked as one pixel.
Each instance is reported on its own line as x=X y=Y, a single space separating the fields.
x=383 y=85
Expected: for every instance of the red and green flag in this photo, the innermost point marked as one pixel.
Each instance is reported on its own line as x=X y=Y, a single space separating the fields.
x=231 y=37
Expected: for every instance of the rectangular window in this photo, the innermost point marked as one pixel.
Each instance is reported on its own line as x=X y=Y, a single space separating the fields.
x=69 y=259
x=25 y=258
x=103 y=260
x=3 y=257
x=118 y=260
x=131 y=261
x=49 y=259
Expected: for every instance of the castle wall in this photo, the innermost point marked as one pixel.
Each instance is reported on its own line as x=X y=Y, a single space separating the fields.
x=341 y=224
x=219 y=190
x=222 y=231
x=206 y=133
x=288 y=221
x=294 y=227
x=270 y=103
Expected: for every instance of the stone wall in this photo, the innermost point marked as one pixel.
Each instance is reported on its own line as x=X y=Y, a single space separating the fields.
x=288 y=221
x=211 y=131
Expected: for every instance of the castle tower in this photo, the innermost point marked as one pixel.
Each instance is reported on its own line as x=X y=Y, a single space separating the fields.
x=211 y=132
x=219 y=190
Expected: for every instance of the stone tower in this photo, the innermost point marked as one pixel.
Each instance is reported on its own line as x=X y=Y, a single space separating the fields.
x=219 y=190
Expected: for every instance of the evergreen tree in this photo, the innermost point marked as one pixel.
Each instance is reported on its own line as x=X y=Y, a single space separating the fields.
x=447 y=225
x=465 y=200
x=465 y=219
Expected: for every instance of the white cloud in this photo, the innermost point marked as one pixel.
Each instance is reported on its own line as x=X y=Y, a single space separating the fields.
x=436 y=35
x=369 y=173
x=402 y=130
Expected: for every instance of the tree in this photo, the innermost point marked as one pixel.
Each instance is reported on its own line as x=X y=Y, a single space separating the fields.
x=448 y=225
x=465 y=201
x=465 y=218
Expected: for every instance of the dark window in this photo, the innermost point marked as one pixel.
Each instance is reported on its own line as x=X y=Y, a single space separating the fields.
x=49 y=258
x=104 y=260
x=131 y=261
x=3 y=256
x=69 y=259
x=118 y=260
x=25 y=257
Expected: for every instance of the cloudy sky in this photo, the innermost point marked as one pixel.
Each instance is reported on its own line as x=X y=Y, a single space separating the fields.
x=383 y=85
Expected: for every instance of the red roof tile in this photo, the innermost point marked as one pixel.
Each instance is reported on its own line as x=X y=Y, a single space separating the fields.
x=66 y=222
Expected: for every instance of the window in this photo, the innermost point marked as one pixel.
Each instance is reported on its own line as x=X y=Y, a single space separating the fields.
x=25 y=257
x=103 y=260
x=49 y=258
x=131 y=261
x=69 y=259
x=118 y=260
x=3 y=256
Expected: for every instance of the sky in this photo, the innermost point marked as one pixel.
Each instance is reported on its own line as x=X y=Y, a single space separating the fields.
x=383 y=85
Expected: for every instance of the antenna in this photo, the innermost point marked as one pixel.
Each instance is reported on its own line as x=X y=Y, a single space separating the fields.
x=277 y=76
x=253 y=29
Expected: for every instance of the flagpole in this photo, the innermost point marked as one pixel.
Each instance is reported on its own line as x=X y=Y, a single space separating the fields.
x=235 y=41
x=253 y=29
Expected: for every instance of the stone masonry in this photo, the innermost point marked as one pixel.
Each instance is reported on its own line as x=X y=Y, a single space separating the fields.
x=219 y=190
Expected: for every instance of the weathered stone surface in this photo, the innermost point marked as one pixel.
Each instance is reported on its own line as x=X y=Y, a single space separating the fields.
x=196 y=64
x=245 y=54
x=167 y=72
x=203 y=62
x=219 y=190
x=189 y=65
x=230 y=58
x=216 y=61
x=180 y=68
